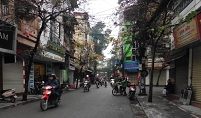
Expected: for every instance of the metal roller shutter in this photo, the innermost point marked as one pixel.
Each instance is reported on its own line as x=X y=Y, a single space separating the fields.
x=181 y=80
x=196 y=74
x=133 y=77
x=162 y=79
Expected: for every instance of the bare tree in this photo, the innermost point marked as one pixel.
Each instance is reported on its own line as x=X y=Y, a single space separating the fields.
x=45 y=11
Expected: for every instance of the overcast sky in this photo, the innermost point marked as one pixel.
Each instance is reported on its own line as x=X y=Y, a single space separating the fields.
x=103 y=10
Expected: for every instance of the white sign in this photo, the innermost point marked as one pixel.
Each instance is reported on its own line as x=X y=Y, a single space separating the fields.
x=71 y=64
x=31 y=77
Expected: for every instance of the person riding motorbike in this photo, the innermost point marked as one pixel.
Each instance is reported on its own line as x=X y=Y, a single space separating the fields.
x=98 y=81
x=87 y=78
x=55 y=83
x=117 y=82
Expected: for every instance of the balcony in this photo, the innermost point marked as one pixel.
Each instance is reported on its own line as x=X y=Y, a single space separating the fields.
x=27 y=31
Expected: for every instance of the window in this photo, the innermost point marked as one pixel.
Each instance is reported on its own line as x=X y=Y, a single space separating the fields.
x=181 y=6
x=128 y=58
x=5 y=8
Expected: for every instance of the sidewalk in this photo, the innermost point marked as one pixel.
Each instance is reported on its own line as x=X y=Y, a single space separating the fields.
x=30 y=98
x=164 y=107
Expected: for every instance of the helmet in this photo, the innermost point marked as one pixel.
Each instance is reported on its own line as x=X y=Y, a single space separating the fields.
x=52 y=75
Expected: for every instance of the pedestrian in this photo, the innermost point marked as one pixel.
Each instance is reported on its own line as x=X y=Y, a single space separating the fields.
x=168 y=88
x=124 y=85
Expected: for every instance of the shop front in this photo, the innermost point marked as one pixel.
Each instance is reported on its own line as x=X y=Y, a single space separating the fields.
x=196 y=73
x=51 y=60
x=8 y=35
x=131 y=71
x=186 y=57
x=196 y=64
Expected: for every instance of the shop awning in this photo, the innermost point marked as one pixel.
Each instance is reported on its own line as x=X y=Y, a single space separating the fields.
x=176 y=55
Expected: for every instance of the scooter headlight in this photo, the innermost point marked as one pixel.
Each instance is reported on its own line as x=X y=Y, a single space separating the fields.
x=132 y=89
x=49 y=92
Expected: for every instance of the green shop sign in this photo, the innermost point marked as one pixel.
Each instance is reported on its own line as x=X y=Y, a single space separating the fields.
x=55 y=48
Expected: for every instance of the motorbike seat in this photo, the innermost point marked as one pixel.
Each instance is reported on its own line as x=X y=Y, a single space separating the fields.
x=5 y=90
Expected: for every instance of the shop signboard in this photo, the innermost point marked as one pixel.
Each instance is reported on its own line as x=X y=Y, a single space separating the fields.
x=8 y=36
x=186 y=33
x=199 y=24
x=53 y=56
x=31 y=77
x=56 y=48
x=131 y=66
x=71 y=64
x=6 y=39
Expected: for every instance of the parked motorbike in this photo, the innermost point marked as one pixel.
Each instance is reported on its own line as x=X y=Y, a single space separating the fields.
x=97 y=84
x=65 y=86
x=86 y=86
x=48 y=99
x=132 y=91
x=117 y=89
x=8 y=94
x=37 y=87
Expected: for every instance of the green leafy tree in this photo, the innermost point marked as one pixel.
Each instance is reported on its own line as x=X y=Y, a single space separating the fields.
x=100 y=37
x=152 y=28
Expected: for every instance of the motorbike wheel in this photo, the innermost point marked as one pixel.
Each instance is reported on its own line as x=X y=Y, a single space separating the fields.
x=33 y=91
x=57 y=103
x=84 y=89
x=114 y=92
x=66 y=88
x=44 y=104
x=131 y=96
x=97 y=85
x=12 y=99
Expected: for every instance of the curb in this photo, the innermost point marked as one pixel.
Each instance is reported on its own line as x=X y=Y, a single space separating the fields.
x=26 y=102
x=17 y=104
x=141 y=115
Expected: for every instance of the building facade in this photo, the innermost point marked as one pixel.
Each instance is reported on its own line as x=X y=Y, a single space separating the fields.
x=18 y=37
x=185 y=55
x=8 y=43
x=81 y=38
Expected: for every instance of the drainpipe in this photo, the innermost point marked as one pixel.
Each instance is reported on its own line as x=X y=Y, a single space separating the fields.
x=190 y=67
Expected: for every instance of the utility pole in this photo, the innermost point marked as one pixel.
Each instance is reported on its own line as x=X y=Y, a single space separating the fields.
x=122 y=49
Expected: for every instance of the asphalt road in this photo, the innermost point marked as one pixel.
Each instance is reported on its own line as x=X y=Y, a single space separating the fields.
x=97 y=103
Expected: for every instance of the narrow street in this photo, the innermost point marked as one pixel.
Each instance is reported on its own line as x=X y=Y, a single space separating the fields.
x=97 y=103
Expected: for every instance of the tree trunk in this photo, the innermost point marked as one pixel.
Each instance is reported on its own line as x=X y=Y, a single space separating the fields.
x=31 y=58
x=160 y=75
x=152 y=68
x=78 y=77
x=151 y=80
